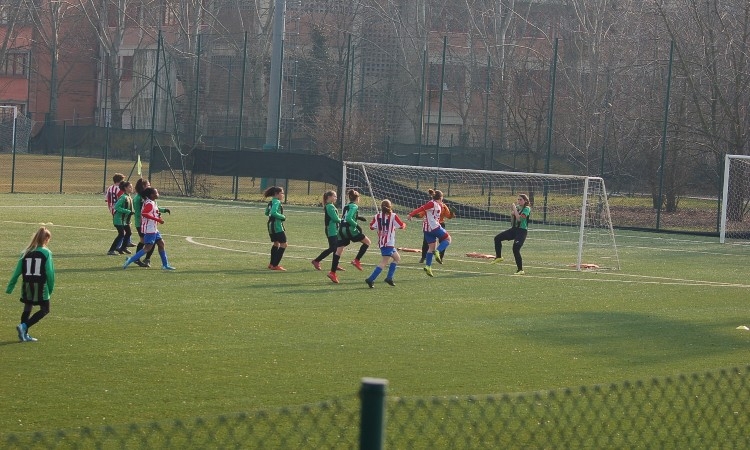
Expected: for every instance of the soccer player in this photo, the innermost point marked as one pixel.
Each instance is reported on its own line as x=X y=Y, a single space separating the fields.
x=113 y=192
x=331 y=224
x=517 y=232
x=121 y=220
x=445 y=213
x=433 y=232
x=350 y=231
x=150 y=217
x=140 y=186
x=38 y=272
x=276 y=230
x=386 y=222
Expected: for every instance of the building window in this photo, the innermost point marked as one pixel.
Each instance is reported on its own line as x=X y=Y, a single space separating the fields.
x=15 y=64
x=169 y=16
x=126 y=67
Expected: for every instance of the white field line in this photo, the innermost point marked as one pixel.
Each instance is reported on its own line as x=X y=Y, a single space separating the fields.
x=615 y=277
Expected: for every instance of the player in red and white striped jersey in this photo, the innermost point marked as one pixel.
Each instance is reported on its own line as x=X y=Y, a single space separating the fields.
x=386 y=222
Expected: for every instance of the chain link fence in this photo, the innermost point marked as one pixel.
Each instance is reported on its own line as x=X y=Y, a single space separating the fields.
x=691 y=411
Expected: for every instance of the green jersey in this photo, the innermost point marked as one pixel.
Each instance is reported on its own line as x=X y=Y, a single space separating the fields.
x=349 y=227
x=523 y=221
x=123 y=210
x=137 y=206
x=276 y=218
x=38 y=272
x=332 y=220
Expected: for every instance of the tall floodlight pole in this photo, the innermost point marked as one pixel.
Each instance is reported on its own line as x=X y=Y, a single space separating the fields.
x=274 y=91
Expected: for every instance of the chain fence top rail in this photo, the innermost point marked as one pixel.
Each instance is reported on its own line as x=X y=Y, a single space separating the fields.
x=706 y=410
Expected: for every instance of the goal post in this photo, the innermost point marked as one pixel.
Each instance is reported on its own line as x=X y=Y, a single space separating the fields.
x=15 y=130
x=570 y=223
x=735 y=198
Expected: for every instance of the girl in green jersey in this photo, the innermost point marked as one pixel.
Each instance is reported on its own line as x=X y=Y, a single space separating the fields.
x=350 y=231
x=38 y=272
x=517 y=232
x=331 y=223
x=276 y=231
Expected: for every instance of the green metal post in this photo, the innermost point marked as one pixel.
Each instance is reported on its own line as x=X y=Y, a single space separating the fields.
x=238 y=144
x=106 y=156
x=62 y=157
x=13 y=164
x=153 y=106
x=197 y=89
x=372 y=426
x=664 y=135
x=421 y=110
x=346 y=93
x=550 y=123
x=440 y=106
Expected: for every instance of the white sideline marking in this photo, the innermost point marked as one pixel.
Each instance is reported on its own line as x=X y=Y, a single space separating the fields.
x=637 y=279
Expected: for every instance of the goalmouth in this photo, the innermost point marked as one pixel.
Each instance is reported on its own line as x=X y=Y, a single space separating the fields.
x=570 y=223
x=735 y=199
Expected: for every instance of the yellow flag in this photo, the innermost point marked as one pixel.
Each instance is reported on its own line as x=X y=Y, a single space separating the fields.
x=139 y=166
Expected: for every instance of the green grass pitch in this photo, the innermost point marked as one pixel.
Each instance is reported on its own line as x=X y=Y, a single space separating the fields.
x=223 y=334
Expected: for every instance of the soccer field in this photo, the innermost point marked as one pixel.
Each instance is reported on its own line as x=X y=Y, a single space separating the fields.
x=223 y=334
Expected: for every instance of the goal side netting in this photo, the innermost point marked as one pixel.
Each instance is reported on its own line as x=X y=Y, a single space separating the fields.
x=15 y=130
x=570 y=222
x=735 y=199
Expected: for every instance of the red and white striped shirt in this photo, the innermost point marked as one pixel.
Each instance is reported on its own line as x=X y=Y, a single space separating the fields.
x=386 y=226
x=111 y=195
x=150 y=216
x=431 y=212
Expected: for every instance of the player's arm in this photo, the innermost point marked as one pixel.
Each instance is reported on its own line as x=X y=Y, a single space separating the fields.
x=398 y=220
x=149 y=213
x=374 y=223
x=120 y=206
x=14 y=277
x=422 y=209
x=275 y=212
x=49 y=267
x=351 y=215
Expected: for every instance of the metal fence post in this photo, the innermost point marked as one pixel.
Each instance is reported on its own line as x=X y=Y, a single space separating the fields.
x=62 y=157
x=372 y=426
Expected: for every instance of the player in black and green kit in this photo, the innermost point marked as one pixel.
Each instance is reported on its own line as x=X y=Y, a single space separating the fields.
x=276 y=231
x=350 y=231
x=331 y=223
x=38 y=273
x=517 y=232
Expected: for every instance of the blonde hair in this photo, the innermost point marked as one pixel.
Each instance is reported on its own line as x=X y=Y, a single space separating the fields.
x=39 y=239
x=386 y=207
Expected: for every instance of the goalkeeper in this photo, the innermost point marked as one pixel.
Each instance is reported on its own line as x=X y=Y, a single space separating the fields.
x=517 y=232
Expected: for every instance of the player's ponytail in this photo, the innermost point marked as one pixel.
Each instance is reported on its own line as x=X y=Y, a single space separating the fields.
x=273 y=190
x=386 y=207
x=39 y=239
x=436 y=194
x=353 y=195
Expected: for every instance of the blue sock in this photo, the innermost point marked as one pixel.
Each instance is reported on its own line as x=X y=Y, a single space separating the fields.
x=428 y=259
x=137 y=255
x=391 y=270
x=163 y=256
x=375 y=273
x=443 y=245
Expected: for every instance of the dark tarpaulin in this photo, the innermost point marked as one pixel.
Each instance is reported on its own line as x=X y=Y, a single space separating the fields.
x=293 y=166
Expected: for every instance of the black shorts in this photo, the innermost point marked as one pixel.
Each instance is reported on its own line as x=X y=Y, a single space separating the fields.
x=343 y=242
x=278 y=237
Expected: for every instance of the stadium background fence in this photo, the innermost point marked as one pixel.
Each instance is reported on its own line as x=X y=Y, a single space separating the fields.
x=82 y=159
x=697 y=411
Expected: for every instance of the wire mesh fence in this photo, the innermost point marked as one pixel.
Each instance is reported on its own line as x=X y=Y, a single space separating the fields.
x=706 y=410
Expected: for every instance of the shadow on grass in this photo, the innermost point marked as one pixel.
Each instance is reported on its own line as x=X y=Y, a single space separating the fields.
x=637 y=338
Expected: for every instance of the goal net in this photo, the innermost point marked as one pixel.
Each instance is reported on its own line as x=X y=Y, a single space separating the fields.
x=570 y=223
x=735 y=198
x=15 y=130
